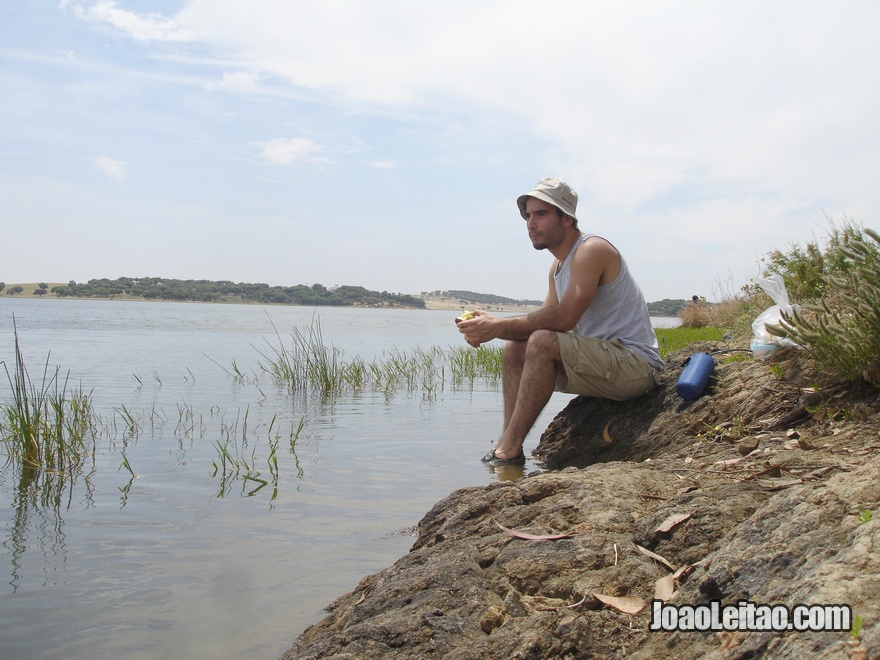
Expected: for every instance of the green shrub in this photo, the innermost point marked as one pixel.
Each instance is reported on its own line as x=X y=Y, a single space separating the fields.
x=806 y=271
x=841 y=328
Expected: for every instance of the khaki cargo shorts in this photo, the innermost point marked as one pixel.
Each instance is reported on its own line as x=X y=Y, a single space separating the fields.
x=602 y=368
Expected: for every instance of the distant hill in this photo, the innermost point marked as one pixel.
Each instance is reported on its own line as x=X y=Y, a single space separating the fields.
x=478 y=299
x=158 y=288
x=665 y=307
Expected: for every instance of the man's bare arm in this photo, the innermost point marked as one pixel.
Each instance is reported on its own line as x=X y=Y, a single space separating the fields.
x=593 y=263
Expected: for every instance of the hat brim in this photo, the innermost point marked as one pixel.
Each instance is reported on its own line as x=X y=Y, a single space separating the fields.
x=537 y=194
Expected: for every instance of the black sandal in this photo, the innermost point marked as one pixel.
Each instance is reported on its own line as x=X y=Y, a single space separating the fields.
x=492 y=459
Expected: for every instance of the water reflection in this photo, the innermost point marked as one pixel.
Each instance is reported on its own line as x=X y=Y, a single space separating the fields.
x=40 y=497
x=507 y=471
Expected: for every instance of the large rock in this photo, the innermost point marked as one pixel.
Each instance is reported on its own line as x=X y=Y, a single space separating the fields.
x=756 y=490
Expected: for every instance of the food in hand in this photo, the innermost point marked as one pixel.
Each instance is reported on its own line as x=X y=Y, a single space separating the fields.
x=466 y=316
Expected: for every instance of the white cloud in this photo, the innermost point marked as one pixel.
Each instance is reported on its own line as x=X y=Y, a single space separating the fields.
x=286 y=151
x=115 y=169
x=382 y=164
x=637 y=97
x=143 y=27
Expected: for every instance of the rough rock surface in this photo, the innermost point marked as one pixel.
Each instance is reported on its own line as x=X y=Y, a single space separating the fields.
x=757 y=491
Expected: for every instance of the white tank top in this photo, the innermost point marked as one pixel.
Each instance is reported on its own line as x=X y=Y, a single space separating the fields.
x=618 y=310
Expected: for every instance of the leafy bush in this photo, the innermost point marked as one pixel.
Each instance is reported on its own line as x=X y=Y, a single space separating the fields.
x=806 y=270
x=841 y=328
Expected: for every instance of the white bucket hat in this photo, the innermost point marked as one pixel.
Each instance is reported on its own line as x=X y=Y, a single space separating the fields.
x=553 y=191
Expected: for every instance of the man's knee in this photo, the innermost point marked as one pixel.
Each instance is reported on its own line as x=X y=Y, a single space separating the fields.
x=543 y=344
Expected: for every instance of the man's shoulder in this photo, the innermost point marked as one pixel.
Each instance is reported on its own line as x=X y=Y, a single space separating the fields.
x=594 y=244
x=594 y=239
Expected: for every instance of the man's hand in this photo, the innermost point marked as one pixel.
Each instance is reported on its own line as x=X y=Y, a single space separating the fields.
x=478 y=329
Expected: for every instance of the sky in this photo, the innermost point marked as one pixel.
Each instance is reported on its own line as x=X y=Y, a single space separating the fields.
x=383 y=144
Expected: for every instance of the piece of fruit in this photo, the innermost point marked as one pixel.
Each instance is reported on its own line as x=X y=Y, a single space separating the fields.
x=466 y=316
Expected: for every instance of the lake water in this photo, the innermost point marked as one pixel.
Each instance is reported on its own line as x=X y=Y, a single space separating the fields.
x=180 y=561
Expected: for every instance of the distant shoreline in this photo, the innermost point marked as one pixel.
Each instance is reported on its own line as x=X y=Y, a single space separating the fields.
x=432 y=303
x=448 y=305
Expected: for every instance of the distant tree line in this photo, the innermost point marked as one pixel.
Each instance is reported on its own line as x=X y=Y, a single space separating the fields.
x=666 y=307
x=483 y=298
x=158 y=288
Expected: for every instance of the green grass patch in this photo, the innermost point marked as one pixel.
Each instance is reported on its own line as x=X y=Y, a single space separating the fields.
x=674 y=339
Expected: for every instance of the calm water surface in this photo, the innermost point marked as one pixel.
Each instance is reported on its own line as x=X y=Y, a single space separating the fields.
x=179 y=561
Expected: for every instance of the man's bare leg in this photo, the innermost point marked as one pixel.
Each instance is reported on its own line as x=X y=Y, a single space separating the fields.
x=537 y=381
x=511 y=373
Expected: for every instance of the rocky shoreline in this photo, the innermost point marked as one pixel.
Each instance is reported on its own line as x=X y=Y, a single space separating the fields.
x=757 y=491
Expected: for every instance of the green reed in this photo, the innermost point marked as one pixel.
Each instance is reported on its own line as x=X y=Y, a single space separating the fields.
x=45 y=426
x=237 y=458
x=309 y=365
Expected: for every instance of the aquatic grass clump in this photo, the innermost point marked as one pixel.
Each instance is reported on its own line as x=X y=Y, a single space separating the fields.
x=44 y=426
x=236 y=462
x=468 y=364
x=309 y=365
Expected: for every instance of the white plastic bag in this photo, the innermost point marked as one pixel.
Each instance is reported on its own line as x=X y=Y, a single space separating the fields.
x=763 y=343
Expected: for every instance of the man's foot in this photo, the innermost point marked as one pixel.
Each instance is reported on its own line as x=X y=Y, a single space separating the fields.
x=492 y=459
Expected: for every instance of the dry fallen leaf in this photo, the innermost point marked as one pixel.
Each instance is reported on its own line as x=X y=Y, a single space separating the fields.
x=672 y=521
x=606 y=436
x=664 y=588
x=534 y=537
x=546 y=608
x=816 y=474
x=625 y=604
x=805 y=444
x=656 y=557
x=683 y=572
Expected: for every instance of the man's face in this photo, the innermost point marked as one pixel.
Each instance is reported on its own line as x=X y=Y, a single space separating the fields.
x=546 y=228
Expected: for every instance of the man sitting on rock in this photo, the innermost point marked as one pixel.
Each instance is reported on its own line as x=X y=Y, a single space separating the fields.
x=592 y=335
